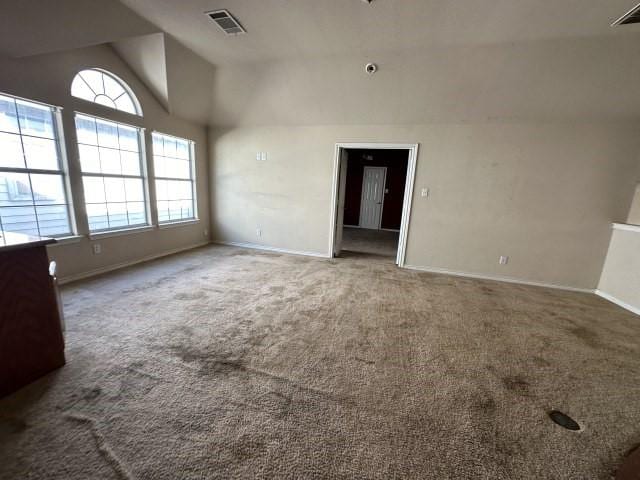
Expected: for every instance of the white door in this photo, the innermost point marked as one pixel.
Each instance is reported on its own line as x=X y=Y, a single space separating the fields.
x=372 y=197
x=342 y=187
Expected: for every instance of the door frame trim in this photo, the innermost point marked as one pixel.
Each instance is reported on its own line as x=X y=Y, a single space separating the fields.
x=384 y=184
x=408 y=191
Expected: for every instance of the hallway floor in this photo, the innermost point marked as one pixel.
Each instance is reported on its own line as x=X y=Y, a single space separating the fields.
x=374 y=242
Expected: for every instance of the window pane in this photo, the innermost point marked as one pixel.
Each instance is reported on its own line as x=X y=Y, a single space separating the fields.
x=114 y=189
x=117 y=214
x=19 y=220
x=104 y=100
x=47 y=189
x=94 y=80
x=178 y=190
x=35 y=120
x=105 y=89
x=107 y=134
x=80 y=89
x=178 y=169
x=130 y=163
x=97 y=216
x=53 y=220
x=163 y=211
x=158 y=145
x=172 y=160
x=89 y=159
x=15 y=189
x=125 y=104
x=182 y=149
x=93 y=190
x=161 y=190
x=8 y=117
x=112 y=88
x=160 y=166
x=110 y=161
x=136 y=213
x=31 y=203
x=11 y=151
x=113 y=200
x=179 y=210
x=170 y=149
x=128 y=138
x=134 y=190
x=86 y=130
x=40 y=153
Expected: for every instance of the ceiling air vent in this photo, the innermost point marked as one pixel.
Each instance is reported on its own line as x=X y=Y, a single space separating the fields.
x=226 y=22
x=632 y=16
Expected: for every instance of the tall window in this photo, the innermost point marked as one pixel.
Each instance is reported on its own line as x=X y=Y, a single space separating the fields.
x=175 y=178
x=33 y=193
x=99 y=86
x=112 y=173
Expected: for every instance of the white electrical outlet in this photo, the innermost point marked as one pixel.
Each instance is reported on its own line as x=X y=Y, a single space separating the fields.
x=425 y=192
x=264 y=156
x=504 y=260
x=259 y=232
x=259 y=156
x=97 y=249
x=205 y=232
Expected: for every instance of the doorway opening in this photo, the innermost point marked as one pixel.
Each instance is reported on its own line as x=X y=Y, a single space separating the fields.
x=372 y=191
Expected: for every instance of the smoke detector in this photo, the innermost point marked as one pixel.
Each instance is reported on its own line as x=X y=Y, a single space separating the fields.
x=371 y=68
x=632 y=16
x=226 y=22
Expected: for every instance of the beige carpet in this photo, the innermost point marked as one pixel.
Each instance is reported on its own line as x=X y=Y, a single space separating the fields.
x=227 y=363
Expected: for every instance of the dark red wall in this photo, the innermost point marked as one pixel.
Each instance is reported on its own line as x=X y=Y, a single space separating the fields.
x=396 y=163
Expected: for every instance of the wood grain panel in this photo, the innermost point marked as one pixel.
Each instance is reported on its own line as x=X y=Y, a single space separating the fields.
x=31 y=341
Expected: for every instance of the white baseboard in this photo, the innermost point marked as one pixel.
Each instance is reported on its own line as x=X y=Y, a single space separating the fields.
x=271 y=249
x=117 y=266
x=499 y=279
x=620 y=303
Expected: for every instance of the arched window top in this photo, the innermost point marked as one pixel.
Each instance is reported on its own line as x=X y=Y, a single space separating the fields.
x=104 y=88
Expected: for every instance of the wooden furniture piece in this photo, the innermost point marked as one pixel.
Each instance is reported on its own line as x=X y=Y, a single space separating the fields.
x=31 y=340
x=630 y=469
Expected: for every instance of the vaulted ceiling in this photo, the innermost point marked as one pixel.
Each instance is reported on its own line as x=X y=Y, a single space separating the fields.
x=285 y=29
x=302 y=61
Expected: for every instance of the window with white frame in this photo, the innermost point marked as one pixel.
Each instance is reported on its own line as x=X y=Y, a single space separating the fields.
x=104 y=88
x=113 y=176
x=174 y=172
x=34 y=196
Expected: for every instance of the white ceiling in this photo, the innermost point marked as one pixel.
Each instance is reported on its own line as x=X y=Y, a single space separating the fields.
x=284 y=29
x=301 y=62
x=32 y=27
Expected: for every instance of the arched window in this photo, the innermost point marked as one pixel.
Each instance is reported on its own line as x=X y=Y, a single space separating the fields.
x=106 y=89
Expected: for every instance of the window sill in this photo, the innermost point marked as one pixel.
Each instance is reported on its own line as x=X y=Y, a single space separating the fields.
x=182 y=223
x=67 y=240
x=124 y=231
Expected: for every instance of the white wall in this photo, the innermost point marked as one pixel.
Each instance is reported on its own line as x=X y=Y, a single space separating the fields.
x=47 y=78
x=621 y=273
x=542 y=193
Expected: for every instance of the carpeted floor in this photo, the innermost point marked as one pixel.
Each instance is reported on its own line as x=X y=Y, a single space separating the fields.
x=224 y=363
x=383 y=243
